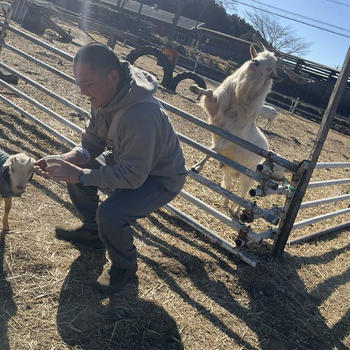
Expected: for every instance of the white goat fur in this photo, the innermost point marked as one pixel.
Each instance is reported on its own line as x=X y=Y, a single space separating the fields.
x=269 y=113
x=235 y=106
x=6 y=8
x=20 y=170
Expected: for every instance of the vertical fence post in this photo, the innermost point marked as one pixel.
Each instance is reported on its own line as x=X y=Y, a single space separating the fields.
x=294 y=205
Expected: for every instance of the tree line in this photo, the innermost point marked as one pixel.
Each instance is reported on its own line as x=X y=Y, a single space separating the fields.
x=214 y=16
x=210 y=12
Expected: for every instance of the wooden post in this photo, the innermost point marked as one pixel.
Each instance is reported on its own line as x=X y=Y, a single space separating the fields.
x=294 y=205
x=111 y=41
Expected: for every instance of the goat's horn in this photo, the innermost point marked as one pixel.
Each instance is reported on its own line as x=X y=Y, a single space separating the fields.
x=295 y=77
x=258 y=43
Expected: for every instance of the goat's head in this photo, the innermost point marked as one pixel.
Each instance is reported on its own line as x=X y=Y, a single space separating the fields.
x=20 y=168
x=279 y=64
x=254 y=78
x=263 y=64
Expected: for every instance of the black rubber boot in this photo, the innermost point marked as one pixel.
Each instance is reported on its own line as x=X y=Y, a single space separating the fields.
x=79 y=234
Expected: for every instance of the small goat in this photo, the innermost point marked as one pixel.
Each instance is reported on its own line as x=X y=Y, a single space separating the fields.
x=234 y=106
x=15 y=172
x=6 y=8
x=269 y=113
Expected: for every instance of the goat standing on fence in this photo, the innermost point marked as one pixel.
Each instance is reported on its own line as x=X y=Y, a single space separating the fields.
x=235 y=106
x=15 y=172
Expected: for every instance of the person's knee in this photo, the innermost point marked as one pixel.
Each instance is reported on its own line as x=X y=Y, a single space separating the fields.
x=107 y=215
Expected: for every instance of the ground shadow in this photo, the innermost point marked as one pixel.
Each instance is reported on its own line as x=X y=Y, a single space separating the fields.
x=274 y=135
x=281 y=313
x=8 y=307
x=89 y=320
x=51 y=194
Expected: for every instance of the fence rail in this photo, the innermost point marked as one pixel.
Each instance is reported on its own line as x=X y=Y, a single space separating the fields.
x=267 y=214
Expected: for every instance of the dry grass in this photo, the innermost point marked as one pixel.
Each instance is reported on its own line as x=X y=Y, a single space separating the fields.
x=190 y=294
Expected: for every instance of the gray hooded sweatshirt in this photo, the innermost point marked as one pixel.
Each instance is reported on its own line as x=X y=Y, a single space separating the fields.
x=139 y=134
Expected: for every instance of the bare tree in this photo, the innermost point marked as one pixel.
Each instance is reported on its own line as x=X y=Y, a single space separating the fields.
x=280 y=38
x=228 y=5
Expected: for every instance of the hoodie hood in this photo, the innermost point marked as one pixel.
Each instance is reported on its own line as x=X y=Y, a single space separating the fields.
x=136 y=84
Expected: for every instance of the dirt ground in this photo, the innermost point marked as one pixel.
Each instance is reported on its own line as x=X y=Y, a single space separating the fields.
x=190 y=294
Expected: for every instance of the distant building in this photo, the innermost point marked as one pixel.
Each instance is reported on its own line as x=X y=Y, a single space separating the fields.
x=161 y=20
x=221 y=44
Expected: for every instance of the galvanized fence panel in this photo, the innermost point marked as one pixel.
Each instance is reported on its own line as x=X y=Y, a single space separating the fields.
x=271 y=186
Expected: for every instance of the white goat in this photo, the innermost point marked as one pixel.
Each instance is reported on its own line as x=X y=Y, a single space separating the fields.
x=16 y=172
x=6 y=8
x=269 y=113
x=235 y=106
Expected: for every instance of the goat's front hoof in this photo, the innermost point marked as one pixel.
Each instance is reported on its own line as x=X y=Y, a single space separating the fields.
x=194 y=89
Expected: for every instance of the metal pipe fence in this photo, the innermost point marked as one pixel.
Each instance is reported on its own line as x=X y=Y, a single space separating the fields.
x=319 y=234
x=46 y=91
x=37 y=121
x=221 y=132
x=311 y=204
x=331 y=165
x=38 y=62
x=327 y=183
x=234 y=224
x=267 y=214
x=42 y=107
x=319 y=218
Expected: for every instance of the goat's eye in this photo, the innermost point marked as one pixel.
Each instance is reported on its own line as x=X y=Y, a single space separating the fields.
x=256 y=63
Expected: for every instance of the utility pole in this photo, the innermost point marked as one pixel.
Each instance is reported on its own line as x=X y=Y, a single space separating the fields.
x=140 y=9
x=180 y=6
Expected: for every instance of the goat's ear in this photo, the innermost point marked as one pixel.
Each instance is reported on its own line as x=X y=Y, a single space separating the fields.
x=275 y=77
x=32 y=161
x=253 y=52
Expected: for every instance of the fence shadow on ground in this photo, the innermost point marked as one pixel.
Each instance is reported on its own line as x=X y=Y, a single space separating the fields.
x=19 y=132
x=281 y=313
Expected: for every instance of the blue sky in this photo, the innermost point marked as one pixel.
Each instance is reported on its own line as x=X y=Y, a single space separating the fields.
x=327 y=48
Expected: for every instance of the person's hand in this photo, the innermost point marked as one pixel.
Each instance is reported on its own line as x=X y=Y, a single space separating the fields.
x=61 y=170
x=39 y=168
x=74 y=157
x=41 y=165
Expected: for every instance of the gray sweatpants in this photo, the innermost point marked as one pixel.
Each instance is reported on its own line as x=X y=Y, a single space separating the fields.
x=113 y=217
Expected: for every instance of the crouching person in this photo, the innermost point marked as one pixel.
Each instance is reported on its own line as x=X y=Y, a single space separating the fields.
x=144 y=164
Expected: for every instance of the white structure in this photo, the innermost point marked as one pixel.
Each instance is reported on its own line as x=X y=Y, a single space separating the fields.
x=269 y=113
